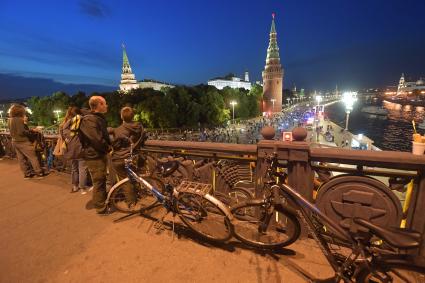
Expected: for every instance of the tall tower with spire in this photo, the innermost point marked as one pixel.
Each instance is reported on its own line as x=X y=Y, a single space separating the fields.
x=128 y=79
x=401 y=84
x=272 y=75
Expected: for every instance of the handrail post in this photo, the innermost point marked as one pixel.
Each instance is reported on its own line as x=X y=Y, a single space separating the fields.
x=300 y=175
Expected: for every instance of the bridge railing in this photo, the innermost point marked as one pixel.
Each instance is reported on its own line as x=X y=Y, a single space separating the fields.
x=361 y=178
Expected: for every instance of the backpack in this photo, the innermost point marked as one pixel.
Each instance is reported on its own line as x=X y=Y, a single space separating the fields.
x=72 y=138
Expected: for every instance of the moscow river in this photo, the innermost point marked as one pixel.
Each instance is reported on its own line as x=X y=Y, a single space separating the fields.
x=393 y=133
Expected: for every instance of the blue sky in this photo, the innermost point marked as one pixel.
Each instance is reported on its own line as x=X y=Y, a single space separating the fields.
x=322 y=43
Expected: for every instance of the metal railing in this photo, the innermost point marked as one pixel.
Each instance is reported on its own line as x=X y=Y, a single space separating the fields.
x=302 y=160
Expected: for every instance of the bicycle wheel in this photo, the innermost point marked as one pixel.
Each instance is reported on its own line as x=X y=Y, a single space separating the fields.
x=239 y=195
x=250 y=225
x=145 y=198
x=203 y=217
x=390 y=273
x=233 y=197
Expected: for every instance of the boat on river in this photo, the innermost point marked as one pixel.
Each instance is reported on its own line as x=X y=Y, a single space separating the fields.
x=377 y=111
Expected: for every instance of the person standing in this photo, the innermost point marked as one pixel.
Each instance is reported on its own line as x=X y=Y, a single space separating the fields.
x=21 y=140
x=78 y=166
x=127 y=134
x=96 y=145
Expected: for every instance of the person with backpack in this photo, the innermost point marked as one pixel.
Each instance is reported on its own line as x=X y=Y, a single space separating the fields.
x=95 y=147
x=22 y=141
x=78 y=166
x=127 y=134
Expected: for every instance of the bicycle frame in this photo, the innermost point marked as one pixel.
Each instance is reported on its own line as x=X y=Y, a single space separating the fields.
x=303 y=209
x=135 y=178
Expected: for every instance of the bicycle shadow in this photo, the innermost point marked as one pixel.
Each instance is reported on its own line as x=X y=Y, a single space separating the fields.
x=184 y=233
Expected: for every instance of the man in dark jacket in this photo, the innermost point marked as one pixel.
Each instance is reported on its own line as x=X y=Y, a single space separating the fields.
x=123 y=137
x=95 y=149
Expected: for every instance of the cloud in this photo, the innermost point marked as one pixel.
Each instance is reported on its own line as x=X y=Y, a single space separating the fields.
x=94 y=8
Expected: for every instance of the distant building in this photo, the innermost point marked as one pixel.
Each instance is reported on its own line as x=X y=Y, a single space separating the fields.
x=404 y=87
x=272 y=75
x=129 y=82
x=231 y=81
x=156 y=85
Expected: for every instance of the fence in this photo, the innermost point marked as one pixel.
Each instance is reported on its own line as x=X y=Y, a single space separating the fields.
x=360 y=189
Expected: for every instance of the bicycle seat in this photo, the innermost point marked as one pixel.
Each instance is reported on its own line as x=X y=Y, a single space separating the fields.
x=167 y=168
x=396 y=237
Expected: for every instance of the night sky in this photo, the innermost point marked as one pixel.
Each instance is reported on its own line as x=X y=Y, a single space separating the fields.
x=355 y=44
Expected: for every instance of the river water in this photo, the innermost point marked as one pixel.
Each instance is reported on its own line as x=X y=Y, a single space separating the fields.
x=393 y=133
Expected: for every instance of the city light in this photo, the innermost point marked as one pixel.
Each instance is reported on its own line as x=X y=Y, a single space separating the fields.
x=318 y=99
x=273 y=101
x=348 y=98
x=57 y=113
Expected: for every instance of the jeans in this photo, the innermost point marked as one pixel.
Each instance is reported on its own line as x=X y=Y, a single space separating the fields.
x=27 y=158
x=97 y=169
x=79 y=173
x=129 y=192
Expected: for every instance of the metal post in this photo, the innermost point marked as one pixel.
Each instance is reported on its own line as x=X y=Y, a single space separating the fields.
x=346 y=119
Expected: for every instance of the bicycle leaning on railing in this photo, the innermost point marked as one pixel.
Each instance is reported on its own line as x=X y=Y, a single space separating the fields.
x=365 y=253
x=191 y=201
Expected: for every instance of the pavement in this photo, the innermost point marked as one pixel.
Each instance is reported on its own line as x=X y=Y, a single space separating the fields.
x=50 y=235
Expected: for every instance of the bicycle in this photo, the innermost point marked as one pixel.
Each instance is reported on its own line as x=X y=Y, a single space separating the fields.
x=190 y=171
x=366 y=253
x=191 y=201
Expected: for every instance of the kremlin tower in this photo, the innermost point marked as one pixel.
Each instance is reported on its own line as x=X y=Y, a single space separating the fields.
x=272 y=75
x=128 y=79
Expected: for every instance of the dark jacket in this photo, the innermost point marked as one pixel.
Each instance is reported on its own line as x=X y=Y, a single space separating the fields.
x=124 y=135
x=18 y=130
x=95 y=138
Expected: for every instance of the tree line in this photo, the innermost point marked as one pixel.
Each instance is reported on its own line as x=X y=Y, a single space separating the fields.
x=178 y=107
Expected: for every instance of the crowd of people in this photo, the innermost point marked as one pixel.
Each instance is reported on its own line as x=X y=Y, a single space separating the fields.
x=101 y=151
x=93 y=150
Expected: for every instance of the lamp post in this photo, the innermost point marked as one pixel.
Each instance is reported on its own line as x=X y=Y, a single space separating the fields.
x=273 y=100
x=348 y=99
x=233 y=103
x=57 y=113
x=318 y=99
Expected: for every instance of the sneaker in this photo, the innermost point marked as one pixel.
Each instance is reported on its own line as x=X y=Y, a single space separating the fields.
x=90 y=189
x=39 y=176
x=104 y=211
x=74 y=189
x=27 y=177
x=83 y=191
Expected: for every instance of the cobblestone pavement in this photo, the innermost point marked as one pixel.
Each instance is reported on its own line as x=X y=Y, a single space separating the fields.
x=49 y=235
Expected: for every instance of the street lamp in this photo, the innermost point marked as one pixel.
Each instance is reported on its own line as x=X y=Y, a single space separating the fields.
x=318 y=99
x=273 y=100
x=348 y=98
x=233 y=103
x=57 y=113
